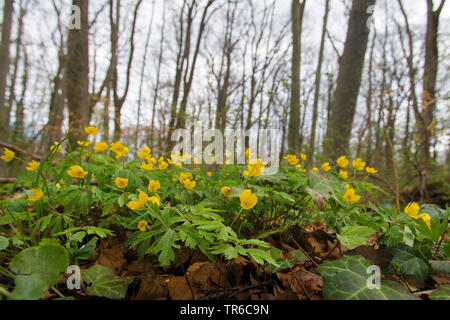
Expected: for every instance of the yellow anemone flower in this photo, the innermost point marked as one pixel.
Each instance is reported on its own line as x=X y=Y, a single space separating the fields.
x=188 y=184
x=371 y=170
x=209 y=174
x=91 y=130
x=358 y=164
x=155 y=200
x=55 y=146
x=326 y=167
x=426 y=218
x=142 y=225
x=343 y=174
x=77 y=172
x=153 y=186
x=342 y=162
x=100 y=146
x=412 y=209
x=226 y=191
x=163 y=165
x=83 y=143
x=248 y=199
x=350 y=195
x=121 y=183
x=8 y=155
x=303 y=156
x=37 y=195
x=33 y=165
x=315 y=169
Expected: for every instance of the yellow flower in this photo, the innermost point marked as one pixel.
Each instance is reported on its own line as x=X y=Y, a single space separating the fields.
x=37 y=195
x=248 y=200
x=209 y=174
x=255 y=168
x=292 y=159
x=163 y=165
x=371 y=170
x=77 y=172
x=426 y=218
x=145 y=152
x=146 y=166
x=350 y=195
x=248 y=154
x=298 y=167
x=326 y=167
x=142 y=225
x=315 y=169
x=33 y=165
x=100 y=146
x=343 y=174
x=58 y=186
x=185 y=176
x=153 y=186
x=412 y=209
x=54 y=146
x=188 y=184
x=342 y=162
x=358 y=164
x=226 y=191
x=84 y=143
x=303 y=156
x=155 y=200
x=8 y=155
x=119 y=149
x=347 y=186
x=121 y=183
x=91 y=130
x=136 y=205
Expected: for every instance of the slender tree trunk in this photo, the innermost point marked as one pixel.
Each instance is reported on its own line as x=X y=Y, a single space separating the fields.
x=294 y=114
x=312 y=141
x=339 y=128
x=430 y=74
x=4 y=67
x=77 y=75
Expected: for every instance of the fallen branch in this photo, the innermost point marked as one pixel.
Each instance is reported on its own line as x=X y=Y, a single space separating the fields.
x=21 y=151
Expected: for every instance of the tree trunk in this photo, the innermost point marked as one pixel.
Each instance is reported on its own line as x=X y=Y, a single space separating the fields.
x=430 y=74
x=294 y=114
x=4 y=67
x=77 y=74
x=339 y=128
x=312 y=141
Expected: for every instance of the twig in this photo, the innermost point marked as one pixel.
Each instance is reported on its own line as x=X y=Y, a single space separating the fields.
x=304 y=252
x=21 y=151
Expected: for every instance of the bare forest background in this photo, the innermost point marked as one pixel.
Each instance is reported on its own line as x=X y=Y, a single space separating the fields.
x=362 y=78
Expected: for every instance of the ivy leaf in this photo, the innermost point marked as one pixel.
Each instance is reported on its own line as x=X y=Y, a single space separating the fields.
x=102 y=282
x=408 y=263
x=440 y=267
x=347 y=279
x=442 y=293
x=354 y=236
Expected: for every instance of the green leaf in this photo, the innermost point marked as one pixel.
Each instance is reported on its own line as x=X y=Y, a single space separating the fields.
x=442 y=293
x=408 y=262
x=165 y=245
x=4 y=242
x=354 y=236
x=347 y=279
x=29 y=287
x=47 y=263
x=102 y=282
x=440 y=267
